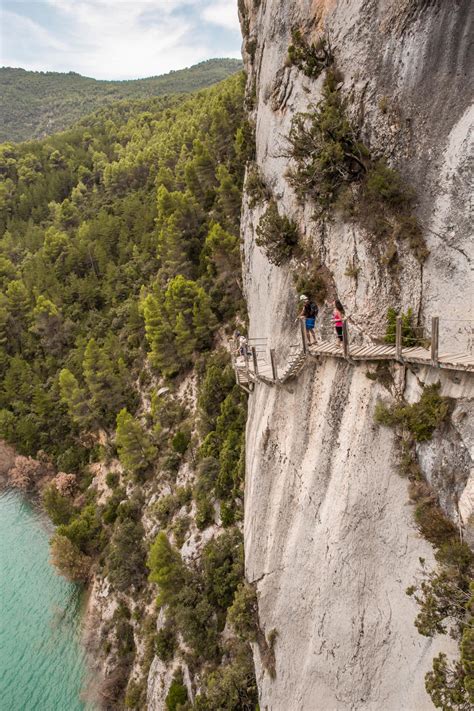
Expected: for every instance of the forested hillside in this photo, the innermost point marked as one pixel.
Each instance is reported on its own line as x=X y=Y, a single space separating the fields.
x=37 y=104
x=120 y=271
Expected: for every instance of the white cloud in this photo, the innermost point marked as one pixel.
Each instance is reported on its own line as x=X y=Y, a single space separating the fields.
x=27 y=32
x=121 y=38
x=222 y=13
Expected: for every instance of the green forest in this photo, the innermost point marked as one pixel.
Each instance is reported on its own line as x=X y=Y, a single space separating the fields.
x=37 y=104
x=120 y=270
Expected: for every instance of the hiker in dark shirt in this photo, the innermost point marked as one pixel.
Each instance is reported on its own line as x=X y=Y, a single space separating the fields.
x=309 y=312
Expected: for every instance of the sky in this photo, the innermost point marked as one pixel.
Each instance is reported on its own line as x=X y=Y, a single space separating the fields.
x=116 y=39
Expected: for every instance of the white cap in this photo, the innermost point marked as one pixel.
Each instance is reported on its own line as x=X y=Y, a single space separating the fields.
x=303 y=298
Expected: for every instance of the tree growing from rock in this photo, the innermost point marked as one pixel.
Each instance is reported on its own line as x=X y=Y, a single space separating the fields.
x=135 y=448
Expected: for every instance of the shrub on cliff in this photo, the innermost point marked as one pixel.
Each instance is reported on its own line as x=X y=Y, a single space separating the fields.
x=446 y=600
x=177 y=694
x=216 y=383
x=85 y=531
x=421 y=418
x=325 y=149
x=68 y=559
x=333 y=167
x=446 y=685
x=243 y=614
x=312 y=57
x=255 y=187
x=222 y=564
x=409 y=337
x=277 y=235
x=166 y=569
x=233 y=687
x=125 y=561
x=58 y=507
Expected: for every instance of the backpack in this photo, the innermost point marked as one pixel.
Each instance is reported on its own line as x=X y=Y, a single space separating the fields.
x=311 y=310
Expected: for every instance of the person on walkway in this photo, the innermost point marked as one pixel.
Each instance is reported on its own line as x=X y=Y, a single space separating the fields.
x=309 y=312
x=242 y=344
x=337 y=318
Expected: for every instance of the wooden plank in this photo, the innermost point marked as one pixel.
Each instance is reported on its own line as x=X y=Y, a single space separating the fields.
x=458 y=358
x=374 y=350
x=357 y=350
x=415 y=349
x=326 y=348
x=420 y=353
x=416 y=353
x=450 y=356
x=361 y=351
x=324 y=351
x=387 y=349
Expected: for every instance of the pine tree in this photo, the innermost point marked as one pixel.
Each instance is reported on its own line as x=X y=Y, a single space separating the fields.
x=166 y=568
x=47 y=324
x=18 y=384
x=160 y=335
x=184 y=339
x=8 y=271
x=55 y=245
x=172 y=251
x=104 y=385
x=179 y=225
x=228 y=199
x=3 y=337
x=18 y=305
x=222 y=253
x=135 y=449
x=204 y=321
x=75 y=398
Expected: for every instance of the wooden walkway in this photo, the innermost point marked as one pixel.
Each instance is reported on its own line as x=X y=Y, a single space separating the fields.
x=261 y=365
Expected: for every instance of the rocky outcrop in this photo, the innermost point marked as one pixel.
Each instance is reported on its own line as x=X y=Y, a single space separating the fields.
x=329 y=533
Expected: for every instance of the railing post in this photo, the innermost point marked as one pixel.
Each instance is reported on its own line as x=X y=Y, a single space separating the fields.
x=234 y=365
x=398 y=338
x=255 y=361
x=434 y=340
x=303 y=335
x=273 y=362
x=345 y=338
x=247 y=369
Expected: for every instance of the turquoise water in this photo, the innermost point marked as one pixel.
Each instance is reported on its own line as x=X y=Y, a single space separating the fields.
x=42 y=664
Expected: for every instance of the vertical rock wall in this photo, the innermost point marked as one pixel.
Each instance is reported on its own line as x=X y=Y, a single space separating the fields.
x=329 y=533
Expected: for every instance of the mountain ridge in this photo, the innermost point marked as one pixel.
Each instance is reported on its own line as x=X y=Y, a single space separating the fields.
x=38 y=104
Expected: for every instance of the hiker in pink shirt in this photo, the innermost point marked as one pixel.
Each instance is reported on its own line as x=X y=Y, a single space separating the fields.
x=337 y=318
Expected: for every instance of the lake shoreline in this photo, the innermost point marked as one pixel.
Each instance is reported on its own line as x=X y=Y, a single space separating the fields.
x=85 y=608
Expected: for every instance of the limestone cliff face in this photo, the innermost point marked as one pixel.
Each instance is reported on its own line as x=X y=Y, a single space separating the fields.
x=329 y=532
